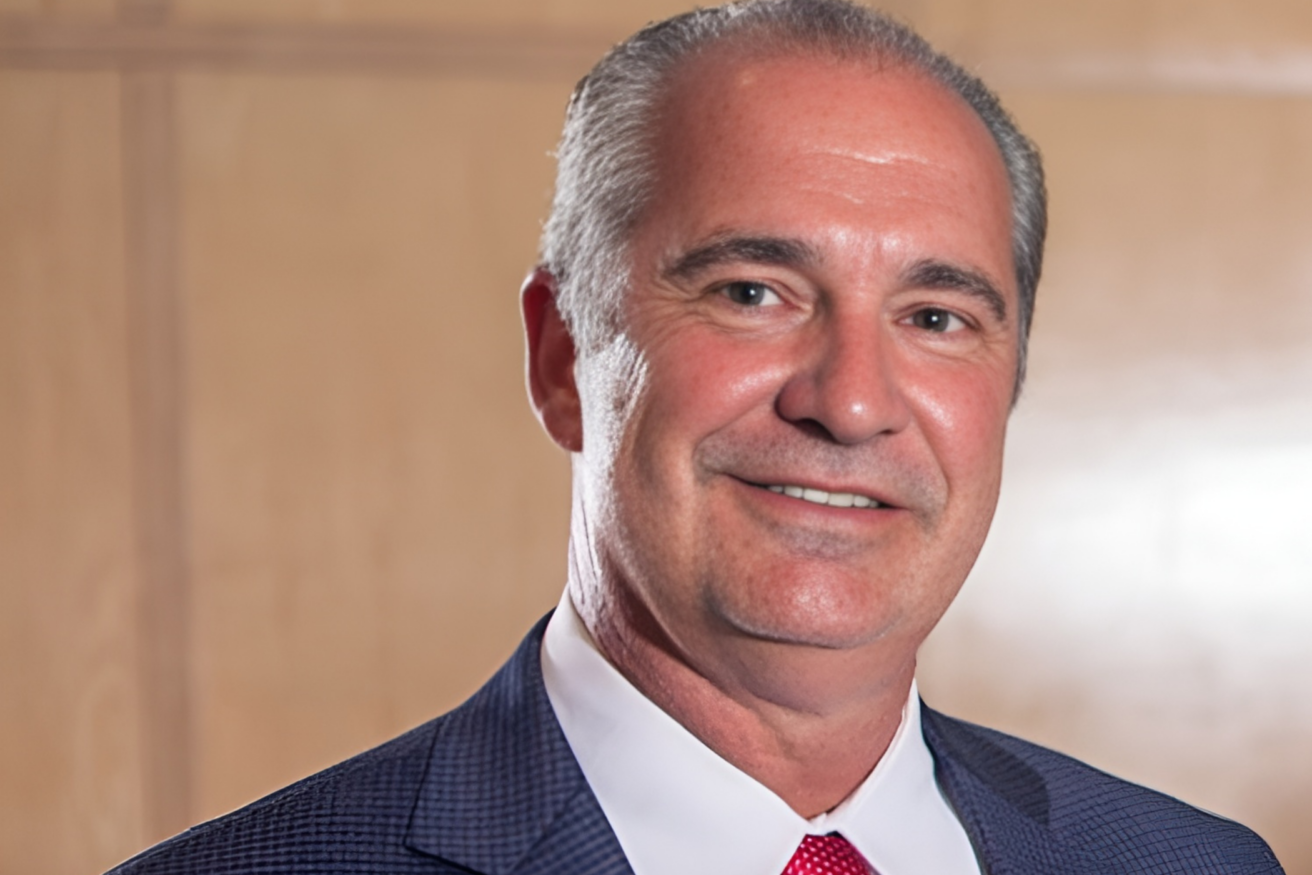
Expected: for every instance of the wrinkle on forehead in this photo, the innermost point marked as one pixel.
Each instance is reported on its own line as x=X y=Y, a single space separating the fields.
x=846 y=195
x=852 y=161
x=885 y=158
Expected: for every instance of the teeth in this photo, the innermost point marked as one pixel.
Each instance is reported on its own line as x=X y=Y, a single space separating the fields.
x=819 y=496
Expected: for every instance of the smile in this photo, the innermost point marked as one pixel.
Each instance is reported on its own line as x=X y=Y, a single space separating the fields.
x=819 y=496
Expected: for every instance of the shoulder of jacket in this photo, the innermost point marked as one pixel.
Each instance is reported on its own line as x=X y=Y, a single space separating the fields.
x=1108 y=817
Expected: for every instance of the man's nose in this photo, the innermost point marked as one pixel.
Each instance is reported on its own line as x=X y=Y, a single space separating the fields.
x=847 y=384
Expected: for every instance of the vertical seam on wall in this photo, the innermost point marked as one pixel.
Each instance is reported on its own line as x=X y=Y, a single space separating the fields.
x=156 y=355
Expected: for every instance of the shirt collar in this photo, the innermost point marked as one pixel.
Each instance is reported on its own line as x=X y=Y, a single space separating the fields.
x=677 y=806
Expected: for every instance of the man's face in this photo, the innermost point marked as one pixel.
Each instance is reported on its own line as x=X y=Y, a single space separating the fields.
x=823 y=313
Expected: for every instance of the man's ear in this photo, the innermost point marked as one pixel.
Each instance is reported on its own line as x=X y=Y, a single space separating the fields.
x=551 y=354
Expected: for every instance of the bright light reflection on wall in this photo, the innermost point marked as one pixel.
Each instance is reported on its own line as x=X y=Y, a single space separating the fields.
x=1145 y=598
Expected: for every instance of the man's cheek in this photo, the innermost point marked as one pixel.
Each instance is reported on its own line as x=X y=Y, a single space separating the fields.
x=965 y=418
x=719 y=378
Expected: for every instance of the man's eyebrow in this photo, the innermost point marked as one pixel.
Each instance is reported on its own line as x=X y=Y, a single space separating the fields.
x=930 y=274
x=779 y=251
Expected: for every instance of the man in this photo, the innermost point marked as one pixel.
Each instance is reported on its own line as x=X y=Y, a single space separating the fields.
x=779 y=325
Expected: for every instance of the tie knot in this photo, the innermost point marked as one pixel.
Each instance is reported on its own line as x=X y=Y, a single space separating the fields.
x=827 y=855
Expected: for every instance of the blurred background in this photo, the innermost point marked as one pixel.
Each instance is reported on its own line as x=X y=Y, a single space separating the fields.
x=270 y=492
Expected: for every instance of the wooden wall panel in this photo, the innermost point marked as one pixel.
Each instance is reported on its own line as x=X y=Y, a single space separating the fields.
x=597 y=16
x=1118 y=31
x=70 y=797
x=1144 y=599
x=377 y=517
x=64 y=10
x=305 y=378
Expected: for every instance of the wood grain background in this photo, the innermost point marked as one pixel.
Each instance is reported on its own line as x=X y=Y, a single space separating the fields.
x=270 y=493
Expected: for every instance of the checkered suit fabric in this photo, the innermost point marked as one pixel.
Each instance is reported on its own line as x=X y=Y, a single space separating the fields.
x=492 y=788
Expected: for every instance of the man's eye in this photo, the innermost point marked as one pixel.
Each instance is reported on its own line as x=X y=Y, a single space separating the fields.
x=937 y=320
x=750 y=294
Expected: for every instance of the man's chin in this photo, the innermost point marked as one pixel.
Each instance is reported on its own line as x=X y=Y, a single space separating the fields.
x=825 y=616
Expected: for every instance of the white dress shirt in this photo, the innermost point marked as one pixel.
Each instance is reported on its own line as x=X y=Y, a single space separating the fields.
x=678 y=808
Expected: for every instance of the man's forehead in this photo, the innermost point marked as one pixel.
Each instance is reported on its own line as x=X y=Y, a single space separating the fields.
x=877 y=112
x=750 y=144
x=731 y=69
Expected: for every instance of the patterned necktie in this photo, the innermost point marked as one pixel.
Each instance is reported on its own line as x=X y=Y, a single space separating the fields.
x=827 y=855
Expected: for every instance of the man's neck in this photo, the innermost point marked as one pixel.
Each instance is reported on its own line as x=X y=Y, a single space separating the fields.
x=809 y=723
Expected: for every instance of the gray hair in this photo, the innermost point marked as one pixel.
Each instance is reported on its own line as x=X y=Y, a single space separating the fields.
x=606 y=165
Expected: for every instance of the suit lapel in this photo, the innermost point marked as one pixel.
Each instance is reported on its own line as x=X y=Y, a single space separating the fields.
x=503 y=793
x=1002 y=802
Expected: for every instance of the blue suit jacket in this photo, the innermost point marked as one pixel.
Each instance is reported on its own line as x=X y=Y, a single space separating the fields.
x=493 y=788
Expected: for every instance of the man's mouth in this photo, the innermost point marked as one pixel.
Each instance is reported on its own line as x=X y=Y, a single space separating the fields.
x=820 y=496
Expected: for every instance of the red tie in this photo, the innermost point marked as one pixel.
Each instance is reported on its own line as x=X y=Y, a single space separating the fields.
x=827 y=855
